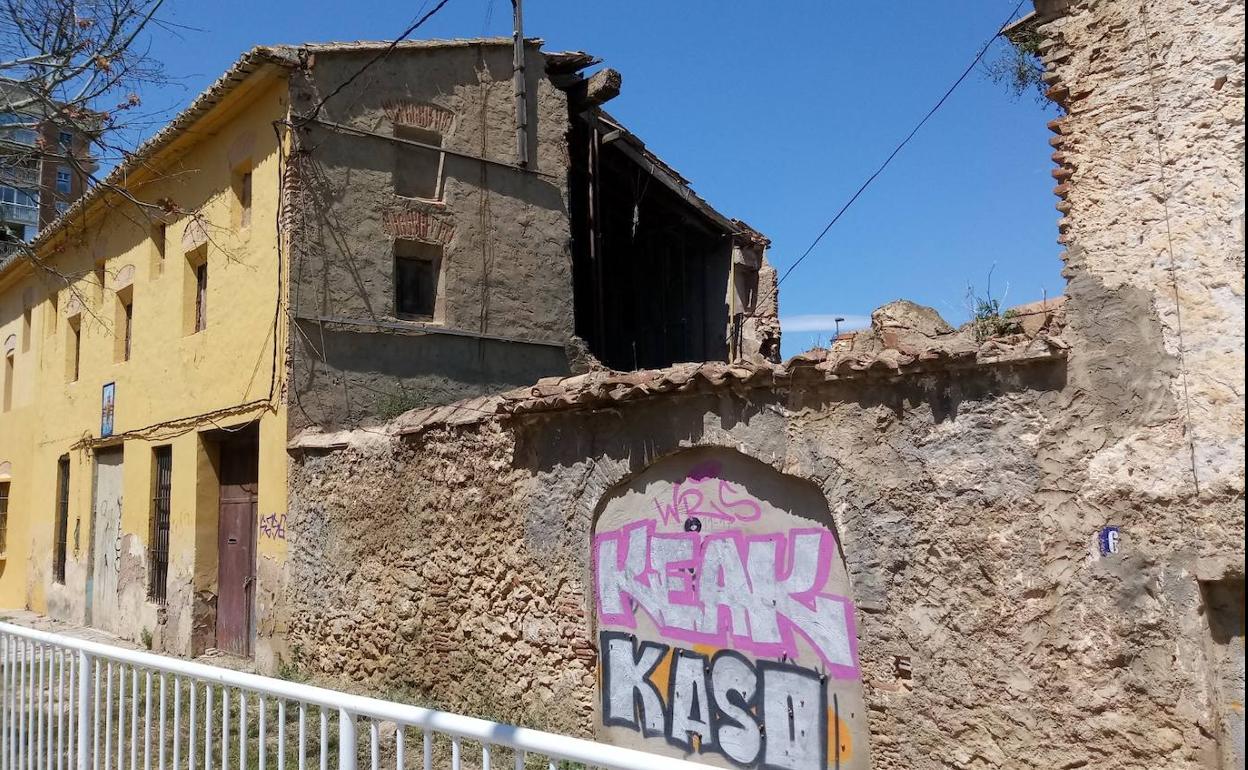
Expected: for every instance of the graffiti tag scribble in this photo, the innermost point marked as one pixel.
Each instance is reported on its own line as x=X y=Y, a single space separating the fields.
x=708 y=497
x=273 y=526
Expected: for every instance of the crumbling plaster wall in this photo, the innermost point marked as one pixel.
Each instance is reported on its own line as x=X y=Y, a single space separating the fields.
x=993 y=630
x=1150 y=158
x=464 y=573
x=506 y=267
x=1151 y=173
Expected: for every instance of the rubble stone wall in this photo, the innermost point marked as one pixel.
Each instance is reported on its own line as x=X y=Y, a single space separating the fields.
x=1045 y=557
x=1151 y=168
x=1150 y=160
x=457 y=563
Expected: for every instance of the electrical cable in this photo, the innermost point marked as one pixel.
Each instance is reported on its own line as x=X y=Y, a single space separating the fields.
x=383 y=54
x=974 y=62
x=1162 y=161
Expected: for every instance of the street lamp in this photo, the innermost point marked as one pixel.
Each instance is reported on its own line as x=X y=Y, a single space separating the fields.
x=837 y=320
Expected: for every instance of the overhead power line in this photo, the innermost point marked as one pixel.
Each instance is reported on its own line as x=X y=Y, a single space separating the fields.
x=380 y=55
x=974 y=62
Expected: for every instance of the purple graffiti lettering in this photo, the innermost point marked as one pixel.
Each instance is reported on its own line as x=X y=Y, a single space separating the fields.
x=757 y=593
x=273 y=526
x=707 y=497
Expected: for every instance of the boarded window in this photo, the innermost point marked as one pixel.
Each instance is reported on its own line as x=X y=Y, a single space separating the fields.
x=201 y=296
x=61 y=530
x=4 y=516
x=416 y=267
x=417 y=169
x=158 y=536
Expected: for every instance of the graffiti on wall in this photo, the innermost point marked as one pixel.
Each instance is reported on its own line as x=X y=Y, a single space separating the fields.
x=273 y=526
x=724 y=628
x=757 y=593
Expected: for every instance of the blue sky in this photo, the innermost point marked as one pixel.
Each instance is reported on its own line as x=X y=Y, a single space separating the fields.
x=777 y=111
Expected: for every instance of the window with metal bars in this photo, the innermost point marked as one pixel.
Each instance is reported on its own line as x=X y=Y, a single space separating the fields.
x=4 y=516
x=158 y=536
x=62 y=520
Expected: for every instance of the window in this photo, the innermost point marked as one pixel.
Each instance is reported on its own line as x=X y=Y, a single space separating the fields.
x=18 y=196
x=417 y=170
x=159 y=233
x=416 y=267
x=4 y=516
x=201 y=296
x=100 y=276
x=242 y=196
x=195 y=291
x=73 y=348
x=54 y=310
x=61 y=207
x=125 y=325
x=64 y=180
x=24 y=135
x=8 y=384
x=158 y=535
x=61 y=530
x=66 y=140
x=26 y=313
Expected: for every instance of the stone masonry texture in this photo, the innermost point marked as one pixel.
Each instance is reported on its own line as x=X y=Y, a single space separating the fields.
x=969 y=503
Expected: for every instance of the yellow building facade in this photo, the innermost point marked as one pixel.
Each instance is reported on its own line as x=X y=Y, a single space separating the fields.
x=142 y=430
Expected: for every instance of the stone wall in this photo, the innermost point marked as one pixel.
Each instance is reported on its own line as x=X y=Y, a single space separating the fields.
x=464 y=573
x=1150 y=160
x=1044 y=548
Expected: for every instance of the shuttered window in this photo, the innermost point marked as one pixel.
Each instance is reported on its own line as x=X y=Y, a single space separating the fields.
x=4 y=515
x=61 y=530
x=158 y=535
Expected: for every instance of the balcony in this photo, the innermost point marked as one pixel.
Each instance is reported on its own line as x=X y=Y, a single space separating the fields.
x=19 y=213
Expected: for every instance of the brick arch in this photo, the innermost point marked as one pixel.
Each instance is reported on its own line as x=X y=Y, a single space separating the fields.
x=421 y=115
x=714 y=573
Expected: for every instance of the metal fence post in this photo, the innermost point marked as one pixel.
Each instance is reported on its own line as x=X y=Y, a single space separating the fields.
x=346 y=740
x=85 y=727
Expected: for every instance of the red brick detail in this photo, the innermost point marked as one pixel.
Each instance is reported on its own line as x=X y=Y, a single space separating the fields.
x=417 y=225
x=420 y=114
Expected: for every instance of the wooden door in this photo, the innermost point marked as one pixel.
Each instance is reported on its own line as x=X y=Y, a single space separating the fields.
x=102 y=594
x=236 y=552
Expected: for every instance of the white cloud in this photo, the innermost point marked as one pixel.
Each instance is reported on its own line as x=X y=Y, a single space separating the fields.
x=823 y=322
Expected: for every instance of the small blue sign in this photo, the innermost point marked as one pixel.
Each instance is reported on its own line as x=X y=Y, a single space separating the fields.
x=107 y=406
x=1109 y=539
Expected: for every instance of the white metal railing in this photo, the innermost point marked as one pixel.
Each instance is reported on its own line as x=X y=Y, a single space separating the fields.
x=71 y=704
